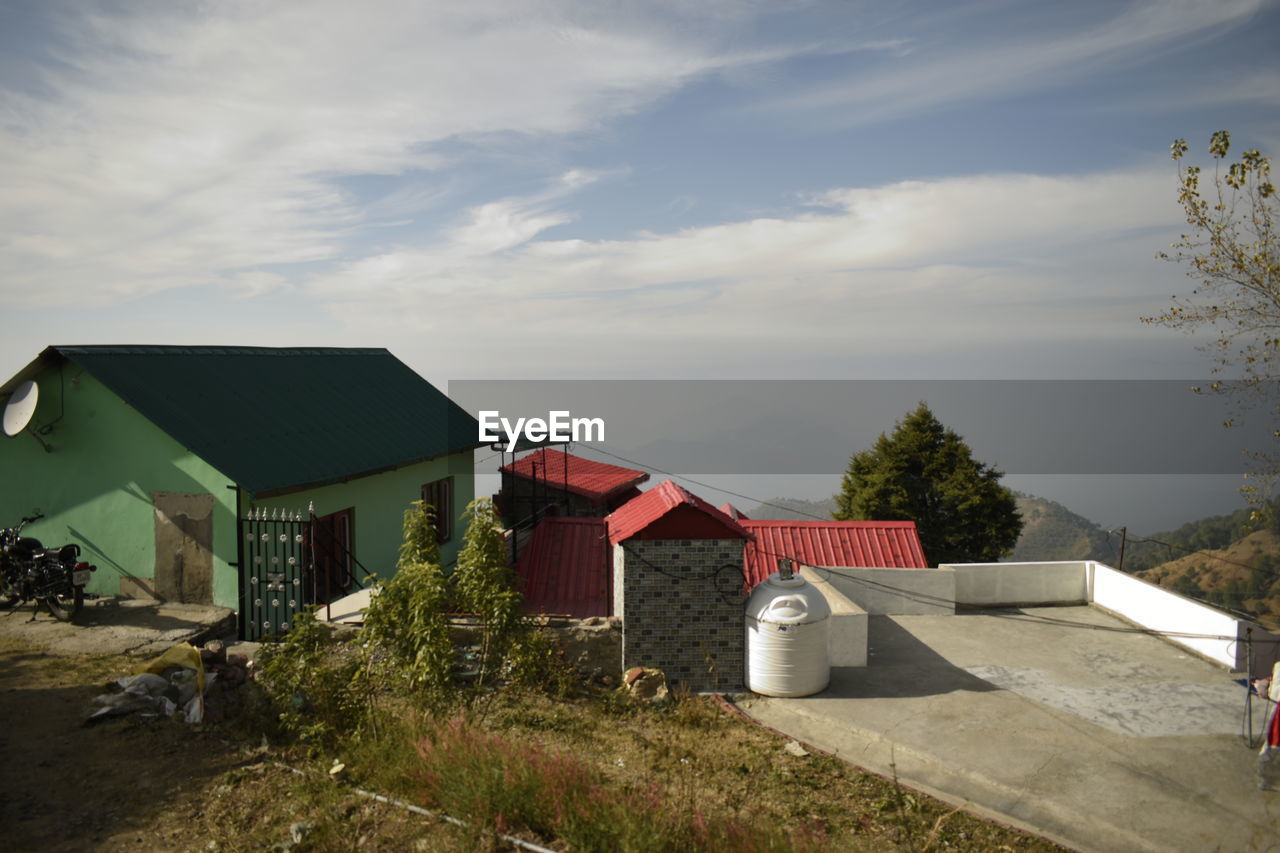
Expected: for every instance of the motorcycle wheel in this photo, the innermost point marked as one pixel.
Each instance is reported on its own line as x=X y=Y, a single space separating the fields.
x=9 y=594
x=63 y=608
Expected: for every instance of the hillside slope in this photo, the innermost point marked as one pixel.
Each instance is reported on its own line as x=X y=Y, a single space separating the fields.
x=792 y=509
x=1050 y=531
x=1244 y=576
x=1215 y=531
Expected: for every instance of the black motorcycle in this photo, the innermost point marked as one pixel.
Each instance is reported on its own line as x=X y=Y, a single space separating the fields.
x=52 y=577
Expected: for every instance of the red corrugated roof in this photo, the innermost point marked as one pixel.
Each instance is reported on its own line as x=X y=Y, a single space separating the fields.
x=640 y=512
x=594 y=480
x=870 y=544
x=564 y=567
x=733 y=512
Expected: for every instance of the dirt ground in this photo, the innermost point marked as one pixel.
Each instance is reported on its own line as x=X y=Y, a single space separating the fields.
x=135 y=784
x=123 y=784
x=119 y=626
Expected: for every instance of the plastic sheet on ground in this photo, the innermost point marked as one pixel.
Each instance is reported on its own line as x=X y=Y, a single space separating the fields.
x=172 y=680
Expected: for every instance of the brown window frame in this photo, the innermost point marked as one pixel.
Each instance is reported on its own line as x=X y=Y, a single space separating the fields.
x=432 y=494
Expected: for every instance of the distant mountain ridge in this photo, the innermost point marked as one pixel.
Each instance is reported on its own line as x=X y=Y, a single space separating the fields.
x=1243 y=576
x=793 y=509
x=1051 y=532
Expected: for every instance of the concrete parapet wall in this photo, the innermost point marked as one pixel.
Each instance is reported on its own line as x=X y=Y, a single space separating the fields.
x=1008 y=584
x=896 y=592
x=1214 y=634
x=847 y=637
x=1170 y=614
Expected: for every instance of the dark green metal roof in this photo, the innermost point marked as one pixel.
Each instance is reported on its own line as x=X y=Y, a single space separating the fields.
x=278 y=419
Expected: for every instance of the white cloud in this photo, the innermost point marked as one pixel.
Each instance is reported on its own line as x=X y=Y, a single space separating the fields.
x=1255 y=86
x=982 y=219
x=1021 y=258
x=165 y=148
x=169 y=148
x=976 y=68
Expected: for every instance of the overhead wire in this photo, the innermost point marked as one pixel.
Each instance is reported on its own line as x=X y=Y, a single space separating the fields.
x=1202 y=598
x=913 y=595
x=657 y=470
x=925 y=598
x=1189 y=551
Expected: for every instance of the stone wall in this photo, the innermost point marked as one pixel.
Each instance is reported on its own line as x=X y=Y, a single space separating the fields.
x=593 y=646
x=682 y=610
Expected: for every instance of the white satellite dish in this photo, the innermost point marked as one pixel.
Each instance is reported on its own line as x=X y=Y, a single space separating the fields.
x=21 y=408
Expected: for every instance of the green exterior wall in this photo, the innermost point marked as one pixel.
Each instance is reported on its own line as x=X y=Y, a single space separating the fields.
x=95 y=488
x=379 y=503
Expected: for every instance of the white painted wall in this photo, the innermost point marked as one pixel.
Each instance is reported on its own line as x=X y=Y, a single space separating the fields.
x=1007 y=584
x=847 y=636
x=1170 y=614
x=1140 y=602
x=619 y=557
x=896 y=592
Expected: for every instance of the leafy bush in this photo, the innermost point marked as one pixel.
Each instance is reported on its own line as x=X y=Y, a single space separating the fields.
x=406 y=619
x=318 y=688
x=318 y=691
x=535 y=660
x=485 y=586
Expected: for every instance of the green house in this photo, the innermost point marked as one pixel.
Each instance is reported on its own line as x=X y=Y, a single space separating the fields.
x=170 y=464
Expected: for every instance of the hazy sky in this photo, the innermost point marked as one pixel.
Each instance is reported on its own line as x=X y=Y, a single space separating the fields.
x=562 y=190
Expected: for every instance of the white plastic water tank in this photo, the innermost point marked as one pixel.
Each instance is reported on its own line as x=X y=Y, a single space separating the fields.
x=788 y=620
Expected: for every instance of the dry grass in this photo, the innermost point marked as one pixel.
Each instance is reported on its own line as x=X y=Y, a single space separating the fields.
x=676 y=777
x=694 y=777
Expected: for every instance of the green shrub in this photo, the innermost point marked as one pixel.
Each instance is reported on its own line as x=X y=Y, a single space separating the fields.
x=318 y=689
x=485 y=586
x=536 y=661
x=406 y=624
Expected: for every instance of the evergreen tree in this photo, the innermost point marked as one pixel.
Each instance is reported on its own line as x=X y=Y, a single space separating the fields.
x=924 y=472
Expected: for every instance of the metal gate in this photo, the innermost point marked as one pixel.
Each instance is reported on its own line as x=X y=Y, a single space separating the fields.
x=277 y=568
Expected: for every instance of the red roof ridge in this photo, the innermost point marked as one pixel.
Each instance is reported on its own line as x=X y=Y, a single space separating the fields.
x=647 y=507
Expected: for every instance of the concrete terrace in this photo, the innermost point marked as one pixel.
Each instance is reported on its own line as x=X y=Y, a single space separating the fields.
x=1064 y=720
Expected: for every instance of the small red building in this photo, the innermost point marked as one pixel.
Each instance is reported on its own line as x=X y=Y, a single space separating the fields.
x=565 y=564
x=677 y=584
x=552 y=482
